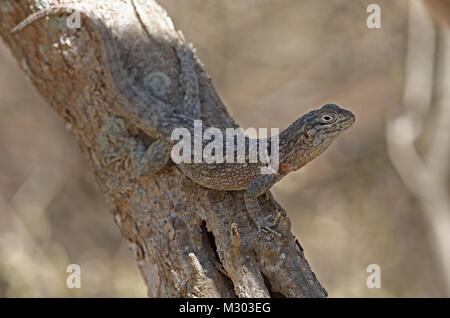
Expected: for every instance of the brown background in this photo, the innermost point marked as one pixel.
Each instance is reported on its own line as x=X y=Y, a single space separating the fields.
x=271 y=61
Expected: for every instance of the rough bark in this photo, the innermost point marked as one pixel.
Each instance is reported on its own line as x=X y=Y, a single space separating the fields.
x=188 y=241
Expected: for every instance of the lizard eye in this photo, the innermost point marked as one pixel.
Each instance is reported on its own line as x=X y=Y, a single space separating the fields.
x=327 y=118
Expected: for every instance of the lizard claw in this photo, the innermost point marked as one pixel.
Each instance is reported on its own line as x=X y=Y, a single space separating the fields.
x=269 y=230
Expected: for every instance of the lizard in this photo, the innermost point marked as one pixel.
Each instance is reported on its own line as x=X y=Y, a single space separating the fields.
x=305 y=139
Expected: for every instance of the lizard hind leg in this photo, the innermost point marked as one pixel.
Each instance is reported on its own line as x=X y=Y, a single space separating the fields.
x=150 y=160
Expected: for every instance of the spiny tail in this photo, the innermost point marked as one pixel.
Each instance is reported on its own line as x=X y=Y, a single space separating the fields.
x=52 y=10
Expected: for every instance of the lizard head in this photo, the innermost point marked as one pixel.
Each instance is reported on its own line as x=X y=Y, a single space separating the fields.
x=318 y=129
x=325 y=124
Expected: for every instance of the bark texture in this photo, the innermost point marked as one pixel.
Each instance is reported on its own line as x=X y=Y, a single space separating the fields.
x=109 y=80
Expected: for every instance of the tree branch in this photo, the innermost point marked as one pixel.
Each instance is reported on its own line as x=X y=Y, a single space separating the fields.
x=188 y=241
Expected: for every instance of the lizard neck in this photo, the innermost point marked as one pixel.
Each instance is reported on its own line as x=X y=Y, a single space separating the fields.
x=291 y=140
x=297 y=147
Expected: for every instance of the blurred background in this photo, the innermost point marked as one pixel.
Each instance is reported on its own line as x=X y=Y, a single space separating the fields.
x=379 y=195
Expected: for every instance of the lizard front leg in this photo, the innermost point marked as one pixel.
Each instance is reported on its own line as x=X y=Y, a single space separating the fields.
x=258 y=187
x=150 y=160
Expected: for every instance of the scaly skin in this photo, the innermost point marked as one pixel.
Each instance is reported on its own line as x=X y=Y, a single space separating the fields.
x=300 y=143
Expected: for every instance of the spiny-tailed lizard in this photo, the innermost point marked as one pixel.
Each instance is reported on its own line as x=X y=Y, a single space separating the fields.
x=301 y=142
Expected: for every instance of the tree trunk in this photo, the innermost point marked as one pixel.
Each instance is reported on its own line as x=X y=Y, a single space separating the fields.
x=109 y=80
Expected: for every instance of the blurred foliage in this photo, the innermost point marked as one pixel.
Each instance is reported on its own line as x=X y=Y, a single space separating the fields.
x=271 y=61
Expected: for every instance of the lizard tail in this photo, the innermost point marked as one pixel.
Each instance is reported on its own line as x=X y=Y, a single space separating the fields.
x=52 y=10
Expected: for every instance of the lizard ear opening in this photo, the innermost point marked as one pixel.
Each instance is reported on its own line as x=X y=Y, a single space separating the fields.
x=306 y=134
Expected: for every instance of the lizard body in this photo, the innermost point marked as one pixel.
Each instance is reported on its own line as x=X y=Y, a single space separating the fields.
x=301 y=142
